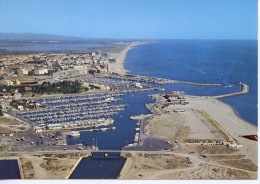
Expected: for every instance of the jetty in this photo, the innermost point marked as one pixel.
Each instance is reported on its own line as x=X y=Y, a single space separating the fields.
x=195 y=83
x=244 y=90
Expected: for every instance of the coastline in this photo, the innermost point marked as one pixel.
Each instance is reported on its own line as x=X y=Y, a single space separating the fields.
x=118 y=66
x=224 y=114
x=220 y=111
x=227 y=120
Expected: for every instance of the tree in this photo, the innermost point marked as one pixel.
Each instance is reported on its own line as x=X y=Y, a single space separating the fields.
x=1 y=112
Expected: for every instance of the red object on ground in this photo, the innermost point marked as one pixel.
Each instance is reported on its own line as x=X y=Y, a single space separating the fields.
x=251 y=137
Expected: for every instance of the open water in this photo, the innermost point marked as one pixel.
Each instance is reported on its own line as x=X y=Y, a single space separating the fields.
x=91 y=168
x=9 y=169
x=225 y=62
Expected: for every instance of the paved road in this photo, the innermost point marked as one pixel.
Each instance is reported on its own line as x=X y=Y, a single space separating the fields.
x=87 y=152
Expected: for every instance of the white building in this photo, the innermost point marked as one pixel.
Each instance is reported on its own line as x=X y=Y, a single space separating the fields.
x=22 y=71
x=138 y=85
x=41 y=71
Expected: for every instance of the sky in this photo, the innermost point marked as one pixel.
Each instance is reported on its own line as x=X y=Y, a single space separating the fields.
x=129 y=19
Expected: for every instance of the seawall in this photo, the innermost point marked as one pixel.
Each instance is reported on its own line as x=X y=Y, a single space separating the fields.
x=244 y=90
x=18 y=162
x=74 y=167
x=194 y=83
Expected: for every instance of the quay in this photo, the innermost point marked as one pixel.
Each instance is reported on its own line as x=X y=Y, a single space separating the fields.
x=74 y=167
x=195 y=84
x=154 y=80
x=244 y=90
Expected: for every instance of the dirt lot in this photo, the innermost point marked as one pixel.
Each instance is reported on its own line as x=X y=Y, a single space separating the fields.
x=8 y=125
x=48 y=166
x=176 y=167
x=185 y=125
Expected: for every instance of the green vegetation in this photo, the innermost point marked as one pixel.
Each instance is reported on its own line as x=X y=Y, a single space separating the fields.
x=1 y=112
x=65 y=87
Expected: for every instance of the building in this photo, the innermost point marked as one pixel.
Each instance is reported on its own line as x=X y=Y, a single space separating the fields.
x=55 y=126
x=41 y=71
x=22 y=71
x=112 y=60
x=138 y=85
x=13 y=82
x=20 y=107
x=99 y=86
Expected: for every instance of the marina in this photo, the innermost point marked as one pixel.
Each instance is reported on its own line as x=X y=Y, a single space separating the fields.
x=74 y=112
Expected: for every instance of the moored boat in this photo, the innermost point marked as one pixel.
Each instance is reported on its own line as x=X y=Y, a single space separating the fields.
x=74 y=133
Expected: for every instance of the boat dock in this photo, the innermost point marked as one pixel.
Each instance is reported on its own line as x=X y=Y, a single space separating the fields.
x=74 y=112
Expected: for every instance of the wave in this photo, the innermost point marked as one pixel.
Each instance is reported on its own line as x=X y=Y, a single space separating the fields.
x=228 y=75
x=204 y=73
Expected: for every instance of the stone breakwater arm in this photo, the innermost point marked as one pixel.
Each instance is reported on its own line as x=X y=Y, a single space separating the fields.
x=244 y=90
x=194 y=83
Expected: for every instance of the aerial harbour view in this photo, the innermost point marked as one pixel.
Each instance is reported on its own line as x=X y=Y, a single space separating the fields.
x=124 y=105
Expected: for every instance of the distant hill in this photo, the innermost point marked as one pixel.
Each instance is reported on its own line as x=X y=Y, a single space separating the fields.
x=28 y=37
x=36 y=37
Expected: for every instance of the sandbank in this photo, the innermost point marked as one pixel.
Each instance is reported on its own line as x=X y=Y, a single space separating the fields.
x=118 y=66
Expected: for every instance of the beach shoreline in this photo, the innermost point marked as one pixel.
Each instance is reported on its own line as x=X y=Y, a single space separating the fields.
x=118 y=66
x=227 y=120
x=220 y=112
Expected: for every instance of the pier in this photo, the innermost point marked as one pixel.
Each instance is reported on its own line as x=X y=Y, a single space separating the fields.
x=194 y=83
x=74 y=112
x=154 y=80
x=244 y=90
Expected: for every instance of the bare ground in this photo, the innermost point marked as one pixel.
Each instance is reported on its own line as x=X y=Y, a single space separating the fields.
x=47 y=167
x=204 y=119
x=7 y=125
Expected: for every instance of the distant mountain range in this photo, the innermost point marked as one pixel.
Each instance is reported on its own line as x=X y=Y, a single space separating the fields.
x=34 y=37
x=44 y=37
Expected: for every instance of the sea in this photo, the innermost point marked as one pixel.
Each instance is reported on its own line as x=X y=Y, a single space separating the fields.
x=225 y=62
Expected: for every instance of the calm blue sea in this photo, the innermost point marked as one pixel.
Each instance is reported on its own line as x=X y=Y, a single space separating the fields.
x=204 y=61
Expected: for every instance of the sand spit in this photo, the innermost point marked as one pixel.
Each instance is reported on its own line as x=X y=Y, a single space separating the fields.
x=118 y=66
x=203 y=127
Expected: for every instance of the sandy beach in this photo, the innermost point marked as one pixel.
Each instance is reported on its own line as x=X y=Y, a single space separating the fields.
x=202 y=119
x=118 y=66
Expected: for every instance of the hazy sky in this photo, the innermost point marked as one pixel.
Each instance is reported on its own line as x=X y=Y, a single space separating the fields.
x=155 y=19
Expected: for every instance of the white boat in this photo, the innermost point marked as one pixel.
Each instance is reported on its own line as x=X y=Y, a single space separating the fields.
x=228 y=86
x=113 y=128
x=74 y=133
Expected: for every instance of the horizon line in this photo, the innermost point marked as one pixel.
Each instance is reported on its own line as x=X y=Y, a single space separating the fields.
x=109 y=38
